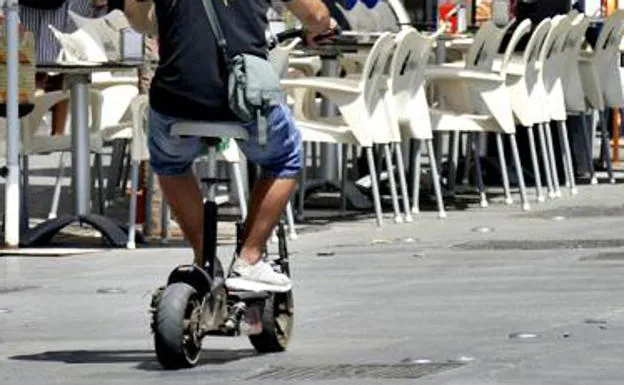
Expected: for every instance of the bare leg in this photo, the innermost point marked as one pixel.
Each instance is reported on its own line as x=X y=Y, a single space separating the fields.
x=59 y=116
x=187 y=208
x=269 y=198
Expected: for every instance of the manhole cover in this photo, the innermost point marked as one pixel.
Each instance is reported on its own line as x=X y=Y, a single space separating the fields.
x=338 y=372
x=15 y=289
x=540 y=245
x=579 y=212
x=606 y=256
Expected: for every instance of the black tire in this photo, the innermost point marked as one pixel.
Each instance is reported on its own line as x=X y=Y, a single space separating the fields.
x=277 y=324
x=178 y=346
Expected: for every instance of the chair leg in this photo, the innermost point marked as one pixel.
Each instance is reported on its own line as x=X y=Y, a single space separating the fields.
x=564 y=157
x=565 y=144
x=393 y=188
x=125 y=173
x=545 y=160
x=605 y=143
x=503 y=166
x=454 y=161
x=114 y=174
x=466 y=176
x=536 y=169
x=588 y=149
x=553 y=162
x=343 y=178
x=56 y=196
x=477 y=157
x=290 y=221
x=398 y=152
x=374 y=186
x=134 y=187
x=240 y=189
x=99 y=168
x=516 y=157
x=416 y=162
x=436 y=180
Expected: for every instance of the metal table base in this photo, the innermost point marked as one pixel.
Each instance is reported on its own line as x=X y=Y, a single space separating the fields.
x=116 y=234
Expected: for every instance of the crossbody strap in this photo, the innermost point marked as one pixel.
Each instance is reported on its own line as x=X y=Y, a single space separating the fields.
x=211 y=12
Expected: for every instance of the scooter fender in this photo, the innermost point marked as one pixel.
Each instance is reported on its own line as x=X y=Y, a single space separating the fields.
x=192 y=275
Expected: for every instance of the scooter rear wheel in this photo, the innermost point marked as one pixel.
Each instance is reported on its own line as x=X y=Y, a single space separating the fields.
x=176 y=326
x=277 y=324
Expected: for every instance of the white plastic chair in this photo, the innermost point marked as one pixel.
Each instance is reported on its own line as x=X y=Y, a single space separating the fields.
x=482 y=114
x=601 y=78
x=363 y=116
x=409 y=108
x=521 y=75
x=575 y=99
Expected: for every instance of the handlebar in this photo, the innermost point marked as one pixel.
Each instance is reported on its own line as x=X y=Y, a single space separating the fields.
x=300 y=33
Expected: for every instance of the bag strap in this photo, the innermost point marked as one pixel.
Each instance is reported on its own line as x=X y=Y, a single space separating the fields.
x=211 y=12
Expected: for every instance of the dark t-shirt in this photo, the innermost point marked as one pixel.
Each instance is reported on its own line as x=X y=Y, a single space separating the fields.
x=191 y=80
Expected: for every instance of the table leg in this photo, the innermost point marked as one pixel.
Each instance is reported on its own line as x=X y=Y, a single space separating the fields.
x=80 y=142
x=114 y=233
x=329 y=152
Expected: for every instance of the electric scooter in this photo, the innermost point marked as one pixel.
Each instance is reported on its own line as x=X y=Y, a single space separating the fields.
x=196 y=303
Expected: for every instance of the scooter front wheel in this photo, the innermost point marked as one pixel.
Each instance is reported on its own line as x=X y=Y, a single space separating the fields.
x=176 y=326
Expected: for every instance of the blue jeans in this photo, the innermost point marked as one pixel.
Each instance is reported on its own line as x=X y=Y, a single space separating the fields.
x=280 y=158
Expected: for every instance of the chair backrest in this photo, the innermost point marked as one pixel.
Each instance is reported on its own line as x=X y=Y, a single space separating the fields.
x=374 y=67
x=608 y=37
x=521 y=30
x=555 y=40
x=116 y=101
x=536 y=41
x=607 y=59
x=574 y=93
x=362 y=18
x=388 y=20
x=576 y=36
x=486 y=44
x=407 y=81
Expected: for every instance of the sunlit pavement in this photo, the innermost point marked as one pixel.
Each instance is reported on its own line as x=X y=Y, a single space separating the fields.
x=486 y=296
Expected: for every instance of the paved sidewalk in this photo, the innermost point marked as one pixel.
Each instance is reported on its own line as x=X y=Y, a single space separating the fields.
x=487 y=296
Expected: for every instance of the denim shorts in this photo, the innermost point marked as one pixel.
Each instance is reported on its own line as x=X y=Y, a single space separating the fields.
x=280 y=158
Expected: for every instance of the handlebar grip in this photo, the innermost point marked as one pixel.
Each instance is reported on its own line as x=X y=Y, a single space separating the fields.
x=294 y=33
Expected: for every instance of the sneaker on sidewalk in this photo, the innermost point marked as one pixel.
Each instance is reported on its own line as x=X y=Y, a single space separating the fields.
x=257 y=277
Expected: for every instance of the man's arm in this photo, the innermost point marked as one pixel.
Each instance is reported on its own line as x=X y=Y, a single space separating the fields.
x=141 y=16
x=314 y=16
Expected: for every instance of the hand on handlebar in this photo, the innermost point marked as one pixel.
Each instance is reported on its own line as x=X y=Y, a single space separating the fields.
x=313 y=38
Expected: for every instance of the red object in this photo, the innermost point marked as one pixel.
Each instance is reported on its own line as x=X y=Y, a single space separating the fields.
x=443 y=10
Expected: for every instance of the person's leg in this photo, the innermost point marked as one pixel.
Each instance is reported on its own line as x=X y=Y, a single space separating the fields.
x=269 y=197
x=185 y=200
x=59 y=111
x=171 y=159
x=281 y=161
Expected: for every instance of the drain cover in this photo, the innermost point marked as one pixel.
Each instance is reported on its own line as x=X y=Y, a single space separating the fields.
x=338 y=372
x=540 y=245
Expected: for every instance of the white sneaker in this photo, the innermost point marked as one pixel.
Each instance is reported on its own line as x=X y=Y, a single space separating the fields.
x=257 y=277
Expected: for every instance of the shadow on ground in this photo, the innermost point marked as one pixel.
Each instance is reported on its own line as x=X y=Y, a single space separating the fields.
x=145 y=359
